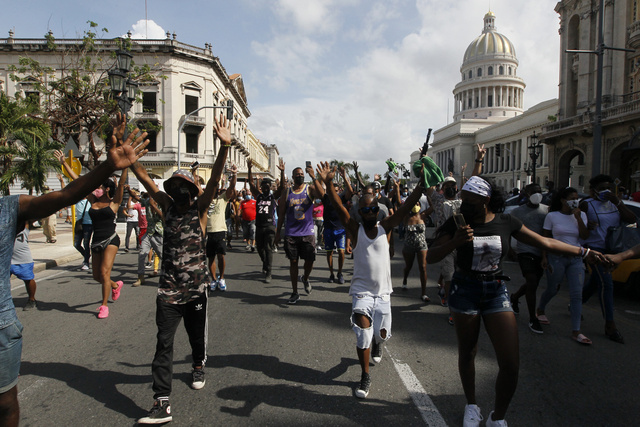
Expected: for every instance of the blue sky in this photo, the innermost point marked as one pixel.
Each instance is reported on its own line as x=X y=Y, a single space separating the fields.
x=348 y=79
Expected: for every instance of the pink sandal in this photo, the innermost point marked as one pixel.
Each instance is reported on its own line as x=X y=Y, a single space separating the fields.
x=581 y=339
x=543 y=319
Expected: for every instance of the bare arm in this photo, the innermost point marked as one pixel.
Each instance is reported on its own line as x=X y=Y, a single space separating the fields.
x=358 y=177
x=117 y=198
x=395 y=219
x=477 y=168
x=348 y=189
x=231 y=191
x=221 y=127
x=327 y=174
x=60 y=156
x=280 y=188
x=160 y=197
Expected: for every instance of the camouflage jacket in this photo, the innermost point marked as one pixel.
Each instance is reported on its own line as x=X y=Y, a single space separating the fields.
x=184 y=263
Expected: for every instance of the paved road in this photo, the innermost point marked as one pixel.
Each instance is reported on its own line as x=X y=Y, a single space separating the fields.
x=274 y=364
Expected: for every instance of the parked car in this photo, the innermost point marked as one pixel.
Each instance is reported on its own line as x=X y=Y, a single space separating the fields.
x=627 y=274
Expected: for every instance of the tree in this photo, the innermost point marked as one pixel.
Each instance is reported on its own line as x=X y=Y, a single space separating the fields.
x=32 y=158
x=75 y=96
x=18 y=117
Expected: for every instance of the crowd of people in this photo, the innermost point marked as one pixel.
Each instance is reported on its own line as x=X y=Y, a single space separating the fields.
x=188 y=227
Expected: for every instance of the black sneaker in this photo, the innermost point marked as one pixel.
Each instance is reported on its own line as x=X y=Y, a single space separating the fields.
x=267 y=278
x=363 y=389
x=340 y=278
x=332 y=278
x=294 y=298
x=159 y=414
x=515 y=305
x=376 y=351
x=535 y=326
x=307 y=286
x=197 y=378
x=30 y=305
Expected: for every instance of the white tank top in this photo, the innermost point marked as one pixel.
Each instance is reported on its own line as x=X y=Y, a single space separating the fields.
x=371 y=265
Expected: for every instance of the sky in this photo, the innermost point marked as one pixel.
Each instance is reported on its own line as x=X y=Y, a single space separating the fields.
x=349 y=80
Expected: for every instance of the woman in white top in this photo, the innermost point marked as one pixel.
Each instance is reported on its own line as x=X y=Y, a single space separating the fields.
x=567 y=223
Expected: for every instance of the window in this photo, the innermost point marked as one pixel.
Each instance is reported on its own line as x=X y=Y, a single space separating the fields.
x=490 y=101
x=470 y=74
x=192 y=143
x=490 y=71
x=479 y=72
x=509 y=70
x=190 y=104
x=501 y=70
x=32 y=97
x=149 y=104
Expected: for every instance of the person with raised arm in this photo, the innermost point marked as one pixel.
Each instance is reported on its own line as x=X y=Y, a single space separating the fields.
x=371 y=285
x=15 y=211
x=182 y=291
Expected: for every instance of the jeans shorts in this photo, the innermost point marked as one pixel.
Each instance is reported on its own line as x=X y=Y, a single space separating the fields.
x=472 y=296
x=23 y=271
x=10 y=354
x=334 y=239
x=378 y=310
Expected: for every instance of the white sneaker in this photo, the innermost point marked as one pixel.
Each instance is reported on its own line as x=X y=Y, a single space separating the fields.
x=85 y=266
x=222 y=285
x=472 y=416
x=495 y=423
x=214 y=285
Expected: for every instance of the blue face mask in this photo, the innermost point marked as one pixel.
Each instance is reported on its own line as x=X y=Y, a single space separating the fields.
x=248 y=197
x=603 y=194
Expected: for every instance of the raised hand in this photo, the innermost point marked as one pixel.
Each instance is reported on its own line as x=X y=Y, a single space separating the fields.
x=124 y=154
x=249 y=164
x=223 y=128
x=59 y=155
x=355 y=166
x=326 y=172
x=280 y=165
x=481 y=151
x=233 y=169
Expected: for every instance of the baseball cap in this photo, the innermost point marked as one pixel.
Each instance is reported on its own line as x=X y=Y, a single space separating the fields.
x=181 y=174
x=449 y=179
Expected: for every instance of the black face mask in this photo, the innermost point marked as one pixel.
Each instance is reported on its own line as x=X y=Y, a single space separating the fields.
x=181 y=196
x=298 y=180
x=369 y=223
x=449 y=192
x=472 y=213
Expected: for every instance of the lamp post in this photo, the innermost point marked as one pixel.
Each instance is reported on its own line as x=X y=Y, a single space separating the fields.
x=534 y=153
x=123 y=88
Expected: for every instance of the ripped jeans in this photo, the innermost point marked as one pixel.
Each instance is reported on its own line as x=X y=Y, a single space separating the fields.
x=378 y=310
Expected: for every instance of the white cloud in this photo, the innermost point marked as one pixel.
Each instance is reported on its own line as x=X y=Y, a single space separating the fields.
x=147 y=29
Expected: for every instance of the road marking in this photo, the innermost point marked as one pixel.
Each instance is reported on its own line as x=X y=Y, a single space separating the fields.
x=24 y=394
x=632 y=312
x=420 y=397
x=52 y=276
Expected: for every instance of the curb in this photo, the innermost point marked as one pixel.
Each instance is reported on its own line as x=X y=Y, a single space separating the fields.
x=53 y=263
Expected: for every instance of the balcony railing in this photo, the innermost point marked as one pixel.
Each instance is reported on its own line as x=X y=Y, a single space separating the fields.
x=610 y=113
x=194 y=121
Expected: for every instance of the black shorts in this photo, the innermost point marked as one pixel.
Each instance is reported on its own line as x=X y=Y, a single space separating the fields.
x=216 y=244
x=300 y=247
x=530 y=265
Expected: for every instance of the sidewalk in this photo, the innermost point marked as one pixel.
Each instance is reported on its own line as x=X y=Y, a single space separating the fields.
x=50 y=255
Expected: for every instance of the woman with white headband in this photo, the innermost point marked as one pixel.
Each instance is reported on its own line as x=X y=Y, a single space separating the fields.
x=478 y=288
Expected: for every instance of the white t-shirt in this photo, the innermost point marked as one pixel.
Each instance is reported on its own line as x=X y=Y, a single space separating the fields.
x=564 y=227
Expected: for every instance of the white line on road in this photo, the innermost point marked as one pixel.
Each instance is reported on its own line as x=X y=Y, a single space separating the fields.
x=52 y=276
x=421 y=399
x=24 y=394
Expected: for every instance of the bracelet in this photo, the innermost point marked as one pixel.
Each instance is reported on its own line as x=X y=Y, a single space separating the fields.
x=479 y=161
x=586 y=253
x=226 y=145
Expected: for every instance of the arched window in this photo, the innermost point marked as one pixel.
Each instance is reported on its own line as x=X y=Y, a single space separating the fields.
x=490 y=71
x=509 y=70
x=470 y=74
x=501 y=70
x=479 y=72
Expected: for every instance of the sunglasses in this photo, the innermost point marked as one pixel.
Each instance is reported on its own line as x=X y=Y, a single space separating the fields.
x=367 y=209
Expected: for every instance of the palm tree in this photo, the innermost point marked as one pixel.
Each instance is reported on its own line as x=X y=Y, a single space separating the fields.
x=16 y=115
x=32 y=158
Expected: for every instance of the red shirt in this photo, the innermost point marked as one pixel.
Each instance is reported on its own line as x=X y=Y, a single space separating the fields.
x=248 y=210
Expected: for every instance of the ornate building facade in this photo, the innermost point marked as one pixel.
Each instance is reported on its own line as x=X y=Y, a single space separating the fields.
x=570 y=138
x=188 y=77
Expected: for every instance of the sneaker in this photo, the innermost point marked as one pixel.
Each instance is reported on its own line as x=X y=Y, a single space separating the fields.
x=115 y=293
x=376 y=351
x=404 y=285
x=222 y=285
x=148 y=266
x=294 y=298
x=425 y=298
x=267 y=278
x=535 y=326
x=247 y=248
x=197 y=378
x=332 y=278
x=307 y=286
x=253 y=248
x=340 y=278
x=443 y=300
x=495 y=423
x=275 y=250
x=30 y=305
x=363 y=389
x=159 y=414
x=515 y=305
x=139 y=282
x=214 y=284
x=451 y=320
x=472 y=416
x=103 y=312
x=126 y=249
x=85 y=266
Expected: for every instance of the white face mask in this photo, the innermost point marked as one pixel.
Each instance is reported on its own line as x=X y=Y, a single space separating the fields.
x=535 y=198
x=573 y=203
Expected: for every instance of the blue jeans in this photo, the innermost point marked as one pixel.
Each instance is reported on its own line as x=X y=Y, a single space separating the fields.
x=602 y=282
x=472 y=296
x=571 y=267
x=82 y=241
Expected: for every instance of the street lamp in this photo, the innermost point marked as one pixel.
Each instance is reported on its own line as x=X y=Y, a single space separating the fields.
x=122 y=87
x=534 y=153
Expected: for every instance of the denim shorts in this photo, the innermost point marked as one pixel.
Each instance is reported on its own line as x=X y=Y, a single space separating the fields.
x=472 y=296
x=334 y=239
x=10 y=353
x=23 y=271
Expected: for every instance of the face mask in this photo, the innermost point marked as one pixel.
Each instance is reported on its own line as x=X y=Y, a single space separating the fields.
x=369 y=223
x=404 y=193
x=472 y=213
x=535 y=198
x=603 y=194
x=573 y=204
x=247 y=197
x=181 y=196
x=415 y=209
x=317 y=201
x=298 y=180
x=98 y=192
x=449 y=192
